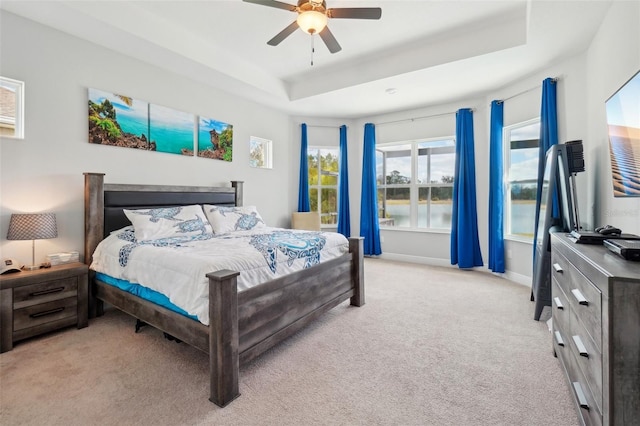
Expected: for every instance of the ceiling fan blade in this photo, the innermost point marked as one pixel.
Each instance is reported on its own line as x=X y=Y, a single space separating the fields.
x=332 y=44
x=272 y=3
x=283 y=34
x=355 y=12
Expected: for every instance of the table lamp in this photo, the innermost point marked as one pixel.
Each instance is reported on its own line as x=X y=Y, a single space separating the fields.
x=32 y=226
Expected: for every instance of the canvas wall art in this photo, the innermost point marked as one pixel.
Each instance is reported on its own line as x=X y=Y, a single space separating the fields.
x=215 y=139
x=120 y=120
x=623 y=119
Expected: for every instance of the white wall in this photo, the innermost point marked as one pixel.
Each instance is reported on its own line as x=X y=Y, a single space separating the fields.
x=612 y=58
x=43 y=172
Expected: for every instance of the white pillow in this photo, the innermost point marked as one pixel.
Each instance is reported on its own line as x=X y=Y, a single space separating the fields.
x=228 y=219
x=168 y=222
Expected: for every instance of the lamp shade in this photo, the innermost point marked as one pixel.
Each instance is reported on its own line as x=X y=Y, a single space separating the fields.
x=32 y=226
x=312 y=22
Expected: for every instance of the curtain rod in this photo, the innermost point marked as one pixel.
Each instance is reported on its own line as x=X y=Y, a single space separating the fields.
x=320 y=125
x=421 y=118
x=526 y=91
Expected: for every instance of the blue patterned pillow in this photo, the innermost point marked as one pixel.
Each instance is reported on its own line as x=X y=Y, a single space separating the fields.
x=168 y=222
x=228 y=219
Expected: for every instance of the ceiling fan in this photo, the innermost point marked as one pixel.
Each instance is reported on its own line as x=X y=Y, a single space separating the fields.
x=313 y=16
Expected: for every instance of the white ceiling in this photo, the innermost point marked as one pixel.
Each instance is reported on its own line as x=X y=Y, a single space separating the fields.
x=430 y=52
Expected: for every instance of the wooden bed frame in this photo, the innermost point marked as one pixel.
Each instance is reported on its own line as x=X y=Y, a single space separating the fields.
x=242 y=324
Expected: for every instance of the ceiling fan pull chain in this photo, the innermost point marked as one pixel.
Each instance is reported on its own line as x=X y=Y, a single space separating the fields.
x=312 y=49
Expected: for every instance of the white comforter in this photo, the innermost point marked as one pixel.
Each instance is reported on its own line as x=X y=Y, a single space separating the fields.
x=177 y=267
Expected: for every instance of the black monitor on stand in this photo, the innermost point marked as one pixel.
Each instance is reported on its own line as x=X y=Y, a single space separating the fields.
x=558 y=212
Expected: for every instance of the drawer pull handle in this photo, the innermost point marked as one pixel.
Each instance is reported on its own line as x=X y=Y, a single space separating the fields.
x=582 y=349
x=579 y=297
x=45 y=313
x=558 y=268
x=48 y=291
x=559 y=304
x=582 y=400
x=559 y=340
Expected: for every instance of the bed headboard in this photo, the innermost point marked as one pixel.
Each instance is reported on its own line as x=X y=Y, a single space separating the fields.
x=104 y=203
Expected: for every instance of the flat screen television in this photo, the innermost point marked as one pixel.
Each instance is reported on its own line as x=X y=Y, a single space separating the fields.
x=623 y=120
x=556 y=214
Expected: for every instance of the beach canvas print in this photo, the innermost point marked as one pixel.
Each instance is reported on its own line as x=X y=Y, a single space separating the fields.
x=118 y=120
x=171 y=130
x=623 y=118
x=215 y=139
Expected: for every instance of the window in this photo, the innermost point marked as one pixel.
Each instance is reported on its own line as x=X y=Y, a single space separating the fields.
x=323 y=183
x=415 y=183
x=11 y=108
x=521 y=142
x=260 y=153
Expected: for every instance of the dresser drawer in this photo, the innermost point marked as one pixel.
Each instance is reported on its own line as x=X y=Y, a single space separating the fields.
x=587 y=356
x=582 y=394
x=35 y=315
x=44 y=292
x=559 y=306
x=584 y=298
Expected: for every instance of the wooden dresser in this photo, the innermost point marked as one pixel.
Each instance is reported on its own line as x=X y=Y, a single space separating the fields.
x=596 y=329
x=35 y=302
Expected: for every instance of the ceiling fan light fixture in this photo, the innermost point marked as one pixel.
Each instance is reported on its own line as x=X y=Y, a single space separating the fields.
x=312 y=22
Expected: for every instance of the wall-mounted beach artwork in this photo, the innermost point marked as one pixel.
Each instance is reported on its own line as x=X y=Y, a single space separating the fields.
x=171 y=130
x=119 y=120
x=215 y=139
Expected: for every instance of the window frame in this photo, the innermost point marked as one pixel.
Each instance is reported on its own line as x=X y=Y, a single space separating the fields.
x=18 y=120
x=507 y=143
x=318 y=187
x=413 y=185
x=267 y=152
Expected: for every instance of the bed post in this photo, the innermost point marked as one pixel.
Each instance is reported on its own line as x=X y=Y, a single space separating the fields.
x=356 y=245
x=224 y=362
x=93 y=230
x=237 y=184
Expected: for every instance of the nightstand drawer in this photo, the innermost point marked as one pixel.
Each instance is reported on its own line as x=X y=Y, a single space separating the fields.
x=32 y=316
x=44 y=292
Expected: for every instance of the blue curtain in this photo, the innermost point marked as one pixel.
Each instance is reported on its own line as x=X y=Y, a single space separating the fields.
x=344 y=216
x=496 y=189
x=465 y=244
x=369 y=226
x=548 y=138
x=303 y=183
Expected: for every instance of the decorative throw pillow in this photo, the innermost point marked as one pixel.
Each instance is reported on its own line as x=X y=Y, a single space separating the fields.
x=228 y=219
x=168 y=222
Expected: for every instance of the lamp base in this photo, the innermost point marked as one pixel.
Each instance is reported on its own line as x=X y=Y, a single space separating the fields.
x=31 y=267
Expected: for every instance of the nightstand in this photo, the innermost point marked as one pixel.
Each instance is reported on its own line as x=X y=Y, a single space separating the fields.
x=36 y=302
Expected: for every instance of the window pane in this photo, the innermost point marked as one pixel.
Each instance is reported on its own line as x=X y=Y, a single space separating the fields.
x=441 y=207
x=329 y=167
x=435 y=214
x=523 y=209
x=436 y=160
x=11 y=108
x=523 y=142
x=396 y=207
x=397 y=164
x=312 y=164
x=328 y=213
x=313 y=199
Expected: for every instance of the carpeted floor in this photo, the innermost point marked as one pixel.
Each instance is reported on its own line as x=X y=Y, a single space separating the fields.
x=432 y=346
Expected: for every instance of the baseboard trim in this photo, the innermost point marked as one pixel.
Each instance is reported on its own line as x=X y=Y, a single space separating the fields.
x=432 y=261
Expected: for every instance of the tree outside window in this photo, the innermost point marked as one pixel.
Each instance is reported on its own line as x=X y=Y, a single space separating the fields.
x=323 y=166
